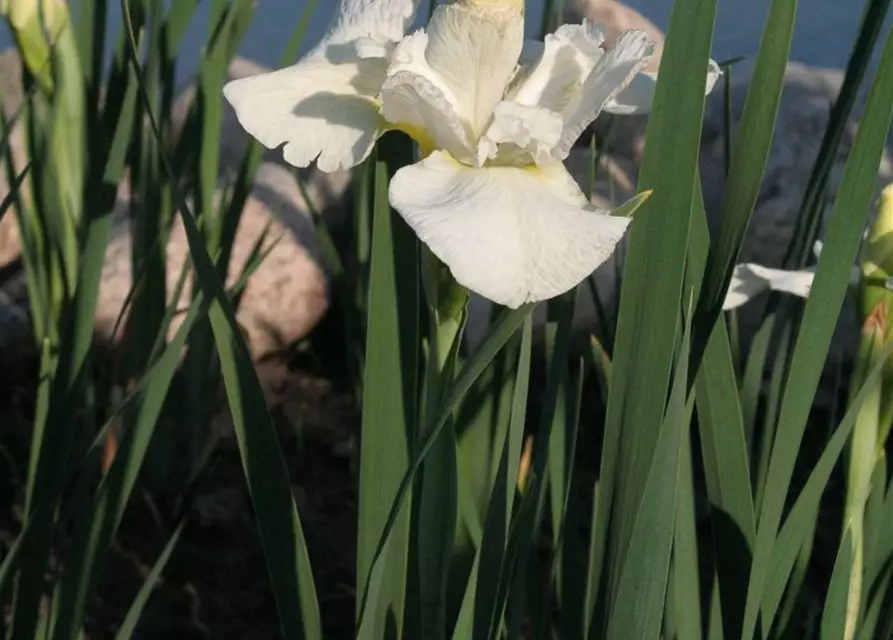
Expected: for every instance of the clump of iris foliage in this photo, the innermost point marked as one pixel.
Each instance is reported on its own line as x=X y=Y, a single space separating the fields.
x=700 y=518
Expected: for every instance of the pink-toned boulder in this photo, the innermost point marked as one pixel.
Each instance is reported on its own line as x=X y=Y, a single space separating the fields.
x=10 y=99
x=287 y=294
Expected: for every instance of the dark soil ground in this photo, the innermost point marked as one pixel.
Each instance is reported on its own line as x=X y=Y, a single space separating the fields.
x=215 y=585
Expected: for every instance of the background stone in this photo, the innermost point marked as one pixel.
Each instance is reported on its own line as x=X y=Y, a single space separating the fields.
x=285 y=297
x=803 y=115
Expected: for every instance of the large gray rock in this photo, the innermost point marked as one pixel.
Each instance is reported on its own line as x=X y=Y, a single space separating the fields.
x=807 y=97
x=803 y=115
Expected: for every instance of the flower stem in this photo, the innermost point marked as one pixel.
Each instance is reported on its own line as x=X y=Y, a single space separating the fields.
x=438 y=503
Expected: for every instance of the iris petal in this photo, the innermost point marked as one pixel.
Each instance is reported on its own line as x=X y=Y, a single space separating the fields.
x=513 y=235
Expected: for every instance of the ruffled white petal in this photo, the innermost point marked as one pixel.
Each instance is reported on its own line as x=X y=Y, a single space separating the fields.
x=415 y=99
x=749 y=280
x=639 y=94
x=383 y=20
x=553 y=71
x=611 y=75
x=323 y=108
x=522 y=133
x=513 y=235
x=474 y=48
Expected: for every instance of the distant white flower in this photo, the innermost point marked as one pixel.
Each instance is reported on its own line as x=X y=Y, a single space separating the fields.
x=325 y=107
x=750 y=280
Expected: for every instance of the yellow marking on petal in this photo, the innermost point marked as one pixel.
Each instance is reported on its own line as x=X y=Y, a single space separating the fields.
x=426 y=142
x=494 y=4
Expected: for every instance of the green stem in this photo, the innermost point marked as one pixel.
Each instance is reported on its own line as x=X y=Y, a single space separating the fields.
x=438 y=507
x=862 y=459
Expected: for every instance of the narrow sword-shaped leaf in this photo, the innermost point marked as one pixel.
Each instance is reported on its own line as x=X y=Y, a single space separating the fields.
x=826 y=298
x=268 y=482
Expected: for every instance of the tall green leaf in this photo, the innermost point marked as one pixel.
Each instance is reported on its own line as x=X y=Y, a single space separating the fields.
x=265 y=471
x=873 y=19
x=481 y=613
x=748 y=162
x=390 y=391
x=834 y=618
x=499 y=334
x=822 y=308
x=642 y=583
x=653 y=278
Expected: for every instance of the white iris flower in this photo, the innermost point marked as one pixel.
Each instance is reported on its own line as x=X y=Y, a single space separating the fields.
x=325 y=107
x=749 y=280
x=494 y=120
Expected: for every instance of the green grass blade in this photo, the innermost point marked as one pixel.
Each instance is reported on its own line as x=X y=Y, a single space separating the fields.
x=135 y=612
x=879 y=524
x=779 y=371
x=798 y=525
x=834 y=616
x=10 y=561
x=873 y=19
x=752 y=380
x=482 y=423
x=723 y=446
x=557 y=438
x=868 y=630
x=69 y=320
x=491 y=561
x=176 y=23
x=727 y=475
x=13 y=196
x=96 y=530
x=568 y=572
x=874 y=525
x=748 y=162
x=152 y=390
x=527 y=592
x=390 y=391
x=267 y=477
x=654 y=273
x=642 y=582
x=822 y=308
x=686 y=583
x=499 y=334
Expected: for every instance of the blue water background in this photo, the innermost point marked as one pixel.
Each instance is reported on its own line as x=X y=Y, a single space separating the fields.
x=823 y=36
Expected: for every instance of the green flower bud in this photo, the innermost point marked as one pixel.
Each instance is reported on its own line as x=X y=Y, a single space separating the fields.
x=37 y=25
x=877 y=264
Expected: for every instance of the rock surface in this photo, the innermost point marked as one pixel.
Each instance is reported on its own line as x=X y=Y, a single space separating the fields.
x=10 y=100
x=803 y=115
x=285 y=297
